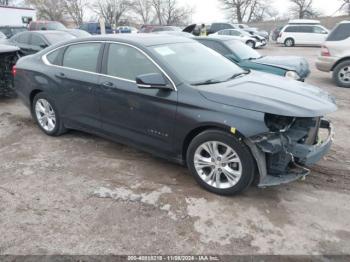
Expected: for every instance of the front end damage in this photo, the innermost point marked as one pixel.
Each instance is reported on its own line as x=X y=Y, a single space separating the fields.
x=292 y=144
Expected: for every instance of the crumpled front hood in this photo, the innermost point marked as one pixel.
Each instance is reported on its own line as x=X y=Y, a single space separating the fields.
x=291 y=63
x=271 y=94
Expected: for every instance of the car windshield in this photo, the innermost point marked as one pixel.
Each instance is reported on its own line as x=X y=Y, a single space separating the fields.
x=197 y=64
x=243 y=51
x=55 y=38
x=55 y=26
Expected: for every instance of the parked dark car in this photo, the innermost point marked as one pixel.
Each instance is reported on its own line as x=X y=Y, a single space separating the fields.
x=178 y=99
x=158 y=28
x=10 y=31
x=46 y=25
x=8 y=58
x=94 y=28
x=34 y=41
x=289 y=66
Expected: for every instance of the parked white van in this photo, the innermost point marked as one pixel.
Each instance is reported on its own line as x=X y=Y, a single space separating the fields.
x=303 y=32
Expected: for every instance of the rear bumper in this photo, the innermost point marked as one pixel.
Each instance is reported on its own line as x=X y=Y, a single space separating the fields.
x=325 y=64
x=301 y=156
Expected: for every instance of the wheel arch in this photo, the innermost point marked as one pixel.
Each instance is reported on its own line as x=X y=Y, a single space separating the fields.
x=205 y=127
x=347 y=58
x=32 y=94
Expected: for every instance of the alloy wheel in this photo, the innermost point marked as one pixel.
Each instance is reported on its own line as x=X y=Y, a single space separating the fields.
x=45 y=114
x=344 y=75
x=218 y=165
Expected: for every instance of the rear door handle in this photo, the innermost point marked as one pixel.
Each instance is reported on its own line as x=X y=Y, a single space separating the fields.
x=61 y=75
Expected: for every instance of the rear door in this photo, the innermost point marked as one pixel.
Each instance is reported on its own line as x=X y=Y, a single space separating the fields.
x=78 y=80
x=143 y=116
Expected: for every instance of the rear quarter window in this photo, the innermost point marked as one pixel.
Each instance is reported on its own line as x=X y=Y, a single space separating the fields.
x=341 y=32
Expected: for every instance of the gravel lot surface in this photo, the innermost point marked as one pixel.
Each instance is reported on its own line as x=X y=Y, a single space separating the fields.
x=80 y=194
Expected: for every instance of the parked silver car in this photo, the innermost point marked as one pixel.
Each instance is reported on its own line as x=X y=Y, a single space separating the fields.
x=335 y=54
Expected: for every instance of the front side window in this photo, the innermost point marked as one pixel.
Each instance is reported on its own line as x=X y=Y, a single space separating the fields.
x=37 y=41
x=82 y=56
x=127 y=62
x=319 y=30
x=195 y=63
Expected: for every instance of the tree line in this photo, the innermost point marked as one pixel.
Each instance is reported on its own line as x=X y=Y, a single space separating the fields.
x=164 y=12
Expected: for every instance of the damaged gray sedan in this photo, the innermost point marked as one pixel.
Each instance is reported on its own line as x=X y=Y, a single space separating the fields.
x=180 y=100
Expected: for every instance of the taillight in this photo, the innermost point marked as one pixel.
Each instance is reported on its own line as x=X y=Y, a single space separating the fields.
x=14 y=71
x=325 y=51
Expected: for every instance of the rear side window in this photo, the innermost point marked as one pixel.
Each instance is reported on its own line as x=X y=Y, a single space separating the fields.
x=218 y=47
x=23 y=38
x=299 y=29
x=341 y=32
x=128 y=63
x=82 y=56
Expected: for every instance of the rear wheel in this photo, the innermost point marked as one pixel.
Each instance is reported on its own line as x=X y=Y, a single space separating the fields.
x=341 y=74
x=289 y=42
x=47 y=115
x=250 y=44
x=220 y=163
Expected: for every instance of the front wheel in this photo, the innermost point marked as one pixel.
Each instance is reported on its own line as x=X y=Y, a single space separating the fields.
x=220 y=163
x=341 y=74
x=251 y=44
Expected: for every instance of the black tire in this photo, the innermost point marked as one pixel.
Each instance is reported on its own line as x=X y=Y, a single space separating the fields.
x=289 y=42
x=251 y=44
x=59 y=128
x=246 y=158
x=337 y=74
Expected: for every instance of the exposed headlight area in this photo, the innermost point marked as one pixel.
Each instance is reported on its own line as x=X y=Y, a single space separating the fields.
x=291 y=144
x=277 y=123
x=292 y=75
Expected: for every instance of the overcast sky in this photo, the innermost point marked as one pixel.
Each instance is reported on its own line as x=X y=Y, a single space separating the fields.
x=207 y=11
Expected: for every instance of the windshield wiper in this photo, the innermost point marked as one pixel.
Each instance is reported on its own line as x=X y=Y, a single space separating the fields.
x=207 y=82
x=238 y=75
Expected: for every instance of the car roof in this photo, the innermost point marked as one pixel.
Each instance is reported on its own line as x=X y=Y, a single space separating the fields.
x=138 y=39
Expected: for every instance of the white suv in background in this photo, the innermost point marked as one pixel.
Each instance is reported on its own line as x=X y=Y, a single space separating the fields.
x=335 y=54
x=302 y=33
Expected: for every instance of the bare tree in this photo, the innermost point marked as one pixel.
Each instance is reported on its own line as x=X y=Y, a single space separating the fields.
x=49 y=9
x=246 y=10
x=345 y=6
x=174 y=14
x=111 y=10
x=169 y=12
x=303 y=8
x=158 y=8
x=143 y=8
x=5 y=2
x=75 y=9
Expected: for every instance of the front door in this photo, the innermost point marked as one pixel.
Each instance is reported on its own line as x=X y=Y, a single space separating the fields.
x=143 y=116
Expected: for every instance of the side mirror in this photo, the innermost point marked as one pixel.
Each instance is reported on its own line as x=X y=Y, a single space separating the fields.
x=152 y=81
x=43 y=46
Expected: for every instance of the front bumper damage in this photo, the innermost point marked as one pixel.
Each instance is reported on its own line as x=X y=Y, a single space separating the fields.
x=283 y=157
